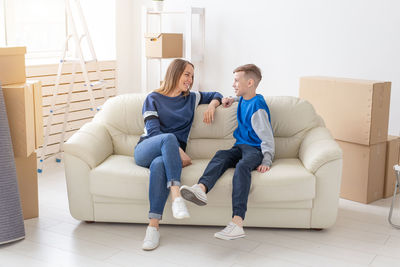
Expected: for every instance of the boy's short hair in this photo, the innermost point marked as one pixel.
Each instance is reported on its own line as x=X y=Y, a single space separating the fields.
x=251 y=71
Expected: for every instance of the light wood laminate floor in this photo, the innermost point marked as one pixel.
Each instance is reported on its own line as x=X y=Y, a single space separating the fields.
x=361 y=237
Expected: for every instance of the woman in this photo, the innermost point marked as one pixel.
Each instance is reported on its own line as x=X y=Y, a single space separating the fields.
x=168 y=114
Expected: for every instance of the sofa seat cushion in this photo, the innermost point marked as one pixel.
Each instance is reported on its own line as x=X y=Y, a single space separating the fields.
x=287 y=181
x=119 y=176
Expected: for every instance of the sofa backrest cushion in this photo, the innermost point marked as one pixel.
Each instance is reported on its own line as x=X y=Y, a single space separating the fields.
x=291 y=118
x=206 y=139
x=122 y=116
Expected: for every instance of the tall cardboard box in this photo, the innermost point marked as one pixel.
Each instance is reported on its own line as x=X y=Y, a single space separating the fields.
x=354 y=111
x=19 y=102
x=38 y=111
x=363 y=171
x=392 y=158
x=12 y=65
x=28 y=185
x=164 y=45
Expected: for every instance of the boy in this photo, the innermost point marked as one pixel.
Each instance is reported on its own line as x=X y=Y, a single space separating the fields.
x=254 y=149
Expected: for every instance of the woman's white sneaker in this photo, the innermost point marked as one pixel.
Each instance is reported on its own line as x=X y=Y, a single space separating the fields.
x=230 y=232
x=194 y=194
x=179 y=210
x=152 y=238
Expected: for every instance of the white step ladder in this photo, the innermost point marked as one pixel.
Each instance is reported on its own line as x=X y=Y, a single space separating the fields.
x=78 y=58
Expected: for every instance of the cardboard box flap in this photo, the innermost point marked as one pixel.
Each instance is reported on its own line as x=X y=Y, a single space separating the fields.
x=5 y=51
x=392 y=137
x=380 y=111
x=339 y=79
x=15 y=85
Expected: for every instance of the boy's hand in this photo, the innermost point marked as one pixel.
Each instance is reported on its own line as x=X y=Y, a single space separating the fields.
x=263 y=168
x=209 y=114
x=227 y=101
x=186 y=160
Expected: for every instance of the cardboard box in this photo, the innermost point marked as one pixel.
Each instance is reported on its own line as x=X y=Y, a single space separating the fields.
x=12 y=65
x=392 y=158
x=20 y=112
x=38 y=108
x=28 y=185
x=354 y=111
x=363 y=171
x=164 y=45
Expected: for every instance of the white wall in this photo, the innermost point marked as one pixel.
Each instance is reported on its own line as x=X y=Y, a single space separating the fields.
x=287 y=39
x=101 y=23
x=127 y=50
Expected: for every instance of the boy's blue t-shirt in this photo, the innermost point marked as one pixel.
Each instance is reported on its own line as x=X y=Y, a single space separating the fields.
x=164 y=114
x=245 y=133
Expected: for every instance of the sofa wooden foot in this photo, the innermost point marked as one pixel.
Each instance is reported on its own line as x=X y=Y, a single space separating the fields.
x=89 y=221
x=317 y=229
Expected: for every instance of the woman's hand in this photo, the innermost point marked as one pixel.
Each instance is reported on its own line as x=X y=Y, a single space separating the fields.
x=209 y=113
x=186 y=160
x=227 y=101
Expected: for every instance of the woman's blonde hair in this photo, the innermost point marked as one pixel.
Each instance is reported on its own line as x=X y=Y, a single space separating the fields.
x=174 y=72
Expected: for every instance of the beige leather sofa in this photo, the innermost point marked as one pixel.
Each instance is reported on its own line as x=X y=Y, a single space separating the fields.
x=300 y=191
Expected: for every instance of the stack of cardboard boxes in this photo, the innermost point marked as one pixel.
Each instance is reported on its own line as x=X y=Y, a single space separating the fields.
x=23 y=100
x=357 y=114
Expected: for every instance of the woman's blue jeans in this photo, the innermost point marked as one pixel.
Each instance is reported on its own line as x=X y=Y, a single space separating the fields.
x=160 y=154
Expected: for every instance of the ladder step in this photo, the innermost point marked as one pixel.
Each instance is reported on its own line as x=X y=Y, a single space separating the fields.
x=97 y=83
x=70 y=59
x=82 y=36
x=75 y=59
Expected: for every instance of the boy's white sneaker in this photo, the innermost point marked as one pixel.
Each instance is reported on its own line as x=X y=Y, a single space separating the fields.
x=230 y=232
x=179 y=210
x=194 y=194
x=152 y=238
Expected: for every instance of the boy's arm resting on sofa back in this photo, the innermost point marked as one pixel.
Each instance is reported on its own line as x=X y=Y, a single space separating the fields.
x=92 y=143
x=318 y=147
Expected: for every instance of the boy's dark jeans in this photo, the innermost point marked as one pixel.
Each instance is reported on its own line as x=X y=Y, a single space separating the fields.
x=245 y=158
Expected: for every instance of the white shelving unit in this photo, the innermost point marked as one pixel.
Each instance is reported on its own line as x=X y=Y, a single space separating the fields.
x=187 y=14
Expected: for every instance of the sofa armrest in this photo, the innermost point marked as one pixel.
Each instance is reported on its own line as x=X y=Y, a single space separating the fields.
x=92 y=143
x=318 y=147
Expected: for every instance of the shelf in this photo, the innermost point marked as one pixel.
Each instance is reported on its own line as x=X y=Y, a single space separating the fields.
x=152 y=12
x=195 y=10
x=188 y=54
